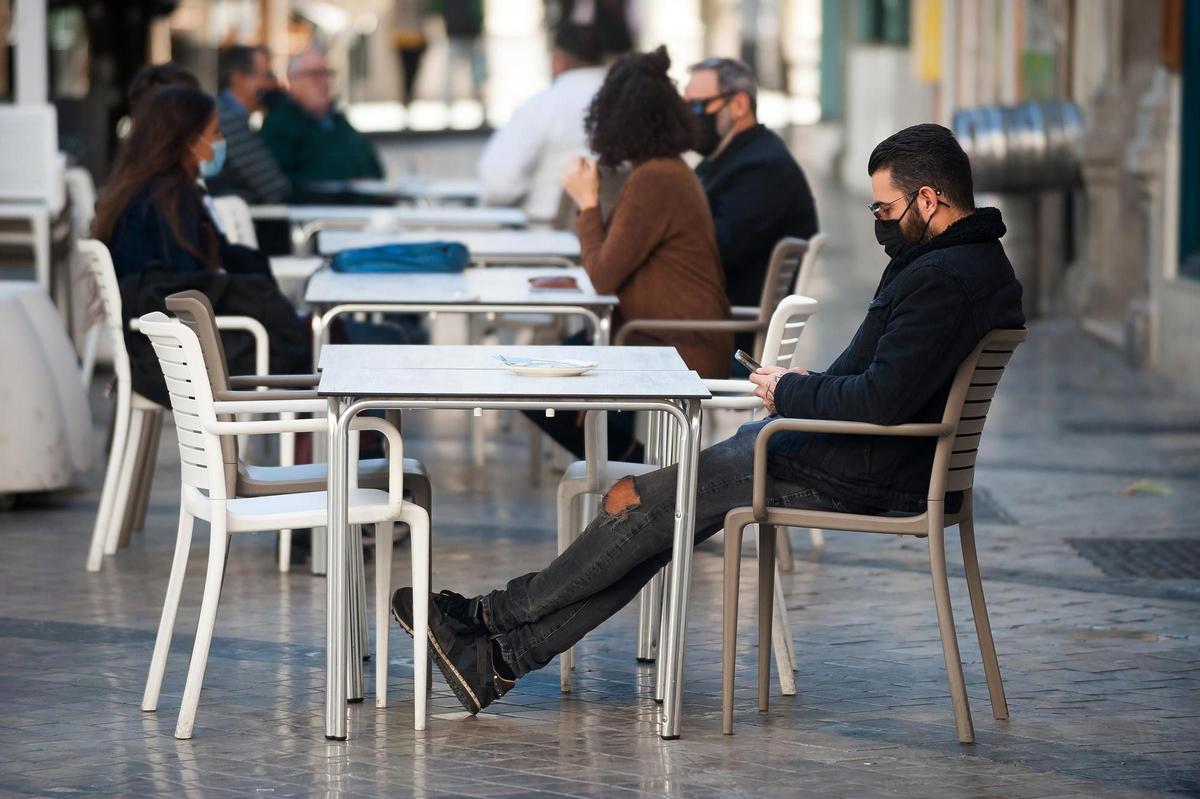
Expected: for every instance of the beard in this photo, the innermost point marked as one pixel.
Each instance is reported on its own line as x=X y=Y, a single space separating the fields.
x=914 y=229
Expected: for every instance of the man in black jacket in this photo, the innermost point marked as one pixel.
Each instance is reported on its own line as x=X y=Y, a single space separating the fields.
x=757 y=192
x=947 y=284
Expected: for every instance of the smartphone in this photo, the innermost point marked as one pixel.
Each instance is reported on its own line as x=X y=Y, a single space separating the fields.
x=745 y=360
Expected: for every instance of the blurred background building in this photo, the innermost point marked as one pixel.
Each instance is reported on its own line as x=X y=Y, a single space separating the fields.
x=1097 y=181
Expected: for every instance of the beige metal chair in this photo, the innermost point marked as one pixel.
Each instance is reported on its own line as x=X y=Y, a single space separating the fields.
x=958 y=435
x=251 y=480
x=781 y=273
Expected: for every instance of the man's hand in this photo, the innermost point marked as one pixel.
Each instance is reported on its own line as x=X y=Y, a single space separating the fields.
x=581 y=180
x=765 y=378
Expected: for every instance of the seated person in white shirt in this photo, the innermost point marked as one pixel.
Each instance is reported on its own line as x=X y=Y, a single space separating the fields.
x=524 y=161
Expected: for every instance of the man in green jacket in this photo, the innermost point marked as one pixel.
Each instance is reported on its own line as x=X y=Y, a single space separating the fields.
x=311 y=140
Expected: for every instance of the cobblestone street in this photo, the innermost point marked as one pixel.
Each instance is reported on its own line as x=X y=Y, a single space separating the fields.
x=1084 y=470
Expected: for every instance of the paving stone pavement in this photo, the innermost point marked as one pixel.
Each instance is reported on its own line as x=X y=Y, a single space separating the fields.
x=1102 y=673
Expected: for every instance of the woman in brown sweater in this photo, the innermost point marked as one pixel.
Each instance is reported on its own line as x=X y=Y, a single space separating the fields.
x=658 y=251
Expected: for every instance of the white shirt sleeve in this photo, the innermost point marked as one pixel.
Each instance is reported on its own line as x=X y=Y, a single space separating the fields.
x=511 y=156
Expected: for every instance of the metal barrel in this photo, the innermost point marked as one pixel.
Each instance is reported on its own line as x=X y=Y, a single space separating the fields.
x=1027 y=147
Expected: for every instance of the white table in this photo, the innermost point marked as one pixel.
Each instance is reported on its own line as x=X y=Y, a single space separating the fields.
x=307 y=220
x=417 y=188
x=364 y=377
x=473 y=291
x=494 y=246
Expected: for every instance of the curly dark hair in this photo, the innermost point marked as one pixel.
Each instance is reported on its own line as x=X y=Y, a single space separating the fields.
x=638 y=113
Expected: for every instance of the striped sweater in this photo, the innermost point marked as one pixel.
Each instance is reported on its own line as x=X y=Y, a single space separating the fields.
x=250 y=171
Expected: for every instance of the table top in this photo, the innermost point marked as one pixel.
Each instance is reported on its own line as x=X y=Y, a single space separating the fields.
x=496 y=285
x=412 y=187
x=481 y=243
x=471 y=372
x=400 y=216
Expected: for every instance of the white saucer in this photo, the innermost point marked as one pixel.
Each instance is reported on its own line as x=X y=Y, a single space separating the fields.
x=538 y=367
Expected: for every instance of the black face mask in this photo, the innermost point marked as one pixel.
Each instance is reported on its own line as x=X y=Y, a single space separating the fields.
x=707 y=137
x=890 y=236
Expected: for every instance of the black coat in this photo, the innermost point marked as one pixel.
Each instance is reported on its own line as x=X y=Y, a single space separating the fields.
x=758 y=194
x=933 y=306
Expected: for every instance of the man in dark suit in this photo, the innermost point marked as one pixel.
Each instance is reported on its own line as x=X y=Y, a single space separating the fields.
x=757 y=192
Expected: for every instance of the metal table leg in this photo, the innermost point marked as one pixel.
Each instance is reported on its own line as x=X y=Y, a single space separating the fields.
x=336 y=594
x=680 y=571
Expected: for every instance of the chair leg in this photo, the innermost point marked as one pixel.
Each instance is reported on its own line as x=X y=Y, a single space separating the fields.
x=766 y=603
x=166 y=624
x=783 y=550
x=729 y=611
x=355 y=691
x=108 y=493
x=945 y=616
x=816 y=537
x=287 y=457
x=217 y=547
x=781 y=641
x=418 y=524
x=983 y=627
x=137 y=479
x=383 y=593
x=149 y=463
x=320 y=551
x=122 y=497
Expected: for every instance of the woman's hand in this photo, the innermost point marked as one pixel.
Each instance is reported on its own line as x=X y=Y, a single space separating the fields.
x=581 y=180
x=765 y=378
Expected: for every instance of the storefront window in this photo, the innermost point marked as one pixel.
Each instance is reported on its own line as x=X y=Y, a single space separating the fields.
x=1189 y=198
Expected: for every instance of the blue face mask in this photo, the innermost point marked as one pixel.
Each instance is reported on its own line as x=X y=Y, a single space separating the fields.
x=213 y=166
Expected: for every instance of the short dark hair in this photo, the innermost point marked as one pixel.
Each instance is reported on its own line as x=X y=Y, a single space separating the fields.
x=732 y=76
x=638 y=113
x=235 y=58
x=926 y=155
x=578 y=41
x=154 y=76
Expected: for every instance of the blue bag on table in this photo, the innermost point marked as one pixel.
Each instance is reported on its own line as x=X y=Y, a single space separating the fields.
x=425 y=256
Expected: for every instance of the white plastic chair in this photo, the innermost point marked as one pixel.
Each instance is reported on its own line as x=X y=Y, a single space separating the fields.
x=808 y=266
x=782 y=336
x=206 y=495
x=234 y=215
x=134 y=448
x=31 y=178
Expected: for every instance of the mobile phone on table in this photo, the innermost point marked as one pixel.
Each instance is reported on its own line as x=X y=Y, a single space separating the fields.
x=745 y=360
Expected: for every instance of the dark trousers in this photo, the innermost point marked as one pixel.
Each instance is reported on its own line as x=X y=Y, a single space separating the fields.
x=543 y=613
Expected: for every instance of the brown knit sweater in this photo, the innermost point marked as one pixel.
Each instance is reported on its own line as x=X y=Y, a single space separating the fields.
x=659 y=256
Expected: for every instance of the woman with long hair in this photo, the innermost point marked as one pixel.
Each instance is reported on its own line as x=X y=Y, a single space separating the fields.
x=658 y=251
x=151 y=214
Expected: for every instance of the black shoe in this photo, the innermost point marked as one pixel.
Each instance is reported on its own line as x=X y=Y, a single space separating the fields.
x=456 y=607
x=465 y=660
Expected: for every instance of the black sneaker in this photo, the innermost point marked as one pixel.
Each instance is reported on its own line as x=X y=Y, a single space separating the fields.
x=465 y=660
x=462 y=611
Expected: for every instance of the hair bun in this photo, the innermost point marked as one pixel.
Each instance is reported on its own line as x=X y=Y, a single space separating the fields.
x=657 y=61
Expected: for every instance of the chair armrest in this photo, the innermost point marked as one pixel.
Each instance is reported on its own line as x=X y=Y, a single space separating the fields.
x=731 y=325
x=320 y=424
x=274 y=402
x=717 y=386
x=262 y=352
x=745 y=311
x=930 y=430
x=274 y=381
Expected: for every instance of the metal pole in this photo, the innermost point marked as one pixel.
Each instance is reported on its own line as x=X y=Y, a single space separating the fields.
x=336 y=595
x=680 y=570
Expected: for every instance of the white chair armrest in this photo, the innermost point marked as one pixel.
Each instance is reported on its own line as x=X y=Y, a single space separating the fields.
x=272 y=407
x=262 y=352
x=729 y=386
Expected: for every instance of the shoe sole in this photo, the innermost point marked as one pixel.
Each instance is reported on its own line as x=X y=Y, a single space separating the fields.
x=462 y=691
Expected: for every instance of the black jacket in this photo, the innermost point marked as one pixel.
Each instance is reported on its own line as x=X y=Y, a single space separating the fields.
x=933 y=306
x=758 y=194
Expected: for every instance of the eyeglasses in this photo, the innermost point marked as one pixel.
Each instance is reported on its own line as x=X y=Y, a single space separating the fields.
x=700 y=107
x=876 y=208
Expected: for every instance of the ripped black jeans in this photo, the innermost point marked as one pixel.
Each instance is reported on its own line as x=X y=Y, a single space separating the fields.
x=543 y=613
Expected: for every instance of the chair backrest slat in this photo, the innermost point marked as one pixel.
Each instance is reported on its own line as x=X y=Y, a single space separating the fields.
x=783 y=333
x=967 y=408
x=808 y=266
x=236 y=221
x=104 y=303
x=178 y=351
